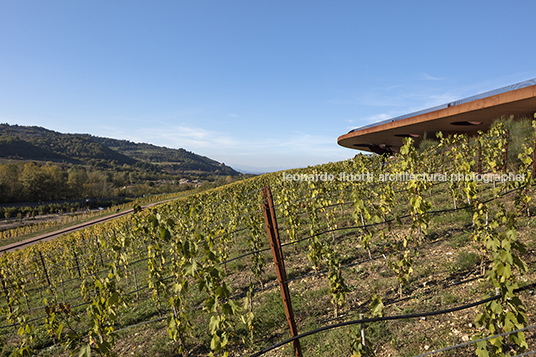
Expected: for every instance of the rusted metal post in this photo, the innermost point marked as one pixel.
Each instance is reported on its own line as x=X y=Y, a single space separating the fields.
x=275 y=244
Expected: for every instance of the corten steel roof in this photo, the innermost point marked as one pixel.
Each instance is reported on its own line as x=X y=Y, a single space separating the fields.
x=468 y=115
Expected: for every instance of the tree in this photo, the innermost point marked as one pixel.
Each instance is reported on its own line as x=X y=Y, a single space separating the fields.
x=77 y=178
x=33 y=182
x=10 y=187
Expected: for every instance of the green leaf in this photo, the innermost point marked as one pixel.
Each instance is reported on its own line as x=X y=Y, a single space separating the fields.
x=499 y=268
x=495 y=307
x=376 y=306
x=215 y=343
x=519 y=339
x=211 y=303
x=497 y=342
x=224 y=339
x=59 y=330
x=165 y=234
x=190 y=268
x=214 y=323
x=228 y=309
x=85 y=351
x=506 y=256
x=481 y=350
x=223 y=290
x=519 y=264
x=113 y=299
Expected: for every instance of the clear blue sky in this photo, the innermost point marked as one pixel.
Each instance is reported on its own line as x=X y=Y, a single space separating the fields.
x=256 y=84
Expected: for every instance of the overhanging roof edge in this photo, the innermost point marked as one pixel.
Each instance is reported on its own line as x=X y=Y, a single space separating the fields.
x=512 y=87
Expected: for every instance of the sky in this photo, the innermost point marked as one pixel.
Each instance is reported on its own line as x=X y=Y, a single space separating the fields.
x=258 y=85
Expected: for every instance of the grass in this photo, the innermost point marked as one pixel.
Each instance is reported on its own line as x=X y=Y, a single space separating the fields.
x=465 y=261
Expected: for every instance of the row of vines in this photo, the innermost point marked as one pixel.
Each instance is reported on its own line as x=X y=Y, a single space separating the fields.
x=31 y=225
x=204 y=260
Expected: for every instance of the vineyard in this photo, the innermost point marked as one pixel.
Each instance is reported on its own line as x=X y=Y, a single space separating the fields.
x=32 y=226
x=431 y=249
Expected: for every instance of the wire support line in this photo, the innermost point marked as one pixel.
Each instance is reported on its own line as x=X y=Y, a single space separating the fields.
x=480 y=340
x=526 y=354
x=387 y=318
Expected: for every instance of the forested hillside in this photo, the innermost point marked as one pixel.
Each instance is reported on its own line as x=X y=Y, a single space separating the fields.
x=170 y=159
x=37 y=164
x=37 y=143
x=67 y=147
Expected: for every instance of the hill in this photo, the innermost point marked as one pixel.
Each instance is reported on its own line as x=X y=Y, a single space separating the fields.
x=37 y=143
x=174 y=160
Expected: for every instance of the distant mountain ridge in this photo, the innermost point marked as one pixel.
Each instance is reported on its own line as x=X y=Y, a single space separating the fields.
x=37 y=143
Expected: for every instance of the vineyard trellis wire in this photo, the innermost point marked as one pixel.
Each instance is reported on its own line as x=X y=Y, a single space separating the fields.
x=481 y=340
x=397 y=317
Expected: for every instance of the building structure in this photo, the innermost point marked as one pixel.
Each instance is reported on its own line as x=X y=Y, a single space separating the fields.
x=466 y=116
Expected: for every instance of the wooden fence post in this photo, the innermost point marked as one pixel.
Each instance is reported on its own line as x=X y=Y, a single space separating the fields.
x=275 y=244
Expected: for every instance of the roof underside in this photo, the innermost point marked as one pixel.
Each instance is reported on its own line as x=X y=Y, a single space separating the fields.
x=465 y=116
